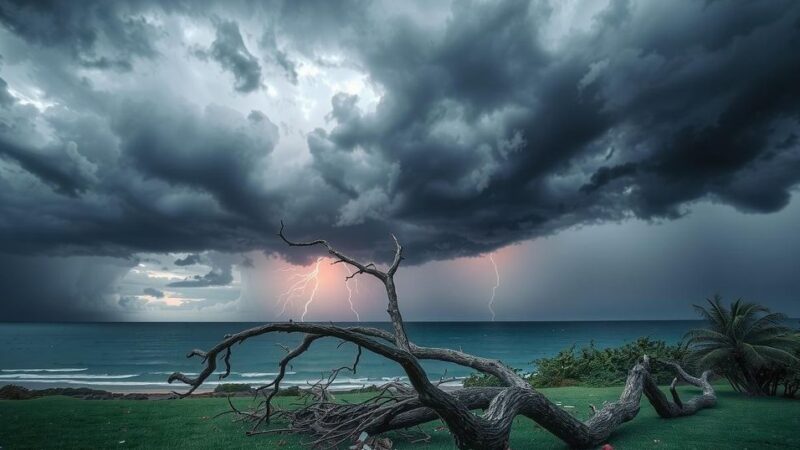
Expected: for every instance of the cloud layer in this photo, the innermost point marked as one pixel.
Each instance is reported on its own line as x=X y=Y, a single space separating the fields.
x=131 y=127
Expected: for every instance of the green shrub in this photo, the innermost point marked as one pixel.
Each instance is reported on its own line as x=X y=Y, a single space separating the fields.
x=232 y=387
x=591 y=366
x=605 y=367
x=369 y=389
x=484 y=380
x=481 y=380
x=291 y=391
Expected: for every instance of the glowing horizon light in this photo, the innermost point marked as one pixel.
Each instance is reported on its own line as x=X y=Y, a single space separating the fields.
x=496 y=285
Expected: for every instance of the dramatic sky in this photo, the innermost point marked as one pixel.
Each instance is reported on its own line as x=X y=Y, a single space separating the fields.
x=578 y=160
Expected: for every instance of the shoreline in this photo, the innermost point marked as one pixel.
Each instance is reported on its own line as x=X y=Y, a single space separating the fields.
x=102 y=383
x=12 y=391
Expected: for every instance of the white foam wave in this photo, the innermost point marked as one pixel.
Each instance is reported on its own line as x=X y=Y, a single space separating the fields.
x=110 y=381
x=62 y=376
x=259 y=374
x=222 y=372
x=395 y=379
x=43 y=370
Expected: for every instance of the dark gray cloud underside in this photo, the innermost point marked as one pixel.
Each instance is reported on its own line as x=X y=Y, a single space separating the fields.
x=486 y=133
x=190 y=260
x=153 y=292
x=232 y=55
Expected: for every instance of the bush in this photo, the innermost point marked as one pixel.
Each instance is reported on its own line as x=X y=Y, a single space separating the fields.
x=596 y=367
x=482 y=380
x=368 y=389
x=605 y=367
x=291 y=391
x=232 y=387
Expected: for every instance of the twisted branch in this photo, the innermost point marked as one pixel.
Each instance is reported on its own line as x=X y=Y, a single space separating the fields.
x=397 y=407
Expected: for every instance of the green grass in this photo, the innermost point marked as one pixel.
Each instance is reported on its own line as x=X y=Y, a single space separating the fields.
x=737 y=422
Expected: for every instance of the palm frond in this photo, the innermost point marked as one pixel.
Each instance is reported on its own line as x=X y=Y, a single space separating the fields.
x=767 y=322
x=753 y=358
x=713 y=359
x=699 y=335
x=775 y=354
x=742 y=339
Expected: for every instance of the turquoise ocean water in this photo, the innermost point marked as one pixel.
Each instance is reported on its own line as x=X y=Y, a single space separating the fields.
x=138 y=357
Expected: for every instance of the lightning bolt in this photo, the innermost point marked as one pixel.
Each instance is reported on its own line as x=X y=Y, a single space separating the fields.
x=350 y=291
x=299 y=287
x=310 y=281
x=496 y=285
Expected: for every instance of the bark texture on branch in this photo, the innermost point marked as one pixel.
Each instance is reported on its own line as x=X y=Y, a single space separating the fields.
x=400 y=407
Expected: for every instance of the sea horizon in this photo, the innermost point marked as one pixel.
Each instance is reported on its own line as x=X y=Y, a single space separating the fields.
x=139 y=356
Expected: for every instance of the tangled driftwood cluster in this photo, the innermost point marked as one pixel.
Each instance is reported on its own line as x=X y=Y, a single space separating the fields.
x=401 y=407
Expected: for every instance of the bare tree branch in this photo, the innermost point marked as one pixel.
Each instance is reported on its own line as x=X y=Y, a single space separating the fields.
x=387 y=278
x=338 y=255
x=399 y=407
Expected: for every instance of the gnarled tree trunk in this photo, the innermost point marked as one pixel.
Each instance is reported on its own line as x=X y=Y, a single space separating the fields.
x=399 y=407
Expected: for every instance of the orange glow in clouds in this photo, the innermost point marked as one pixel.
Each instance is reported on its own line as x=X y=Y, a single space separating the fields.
x=321 y=289
x=305 y=286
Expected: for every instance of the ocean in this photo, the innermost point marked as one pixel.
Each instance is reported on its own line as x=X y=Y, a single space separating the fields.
x=138 y=357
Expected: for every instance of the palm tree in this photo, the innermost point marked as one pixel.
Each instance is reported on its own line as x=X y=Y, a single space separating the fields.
x=747 y=344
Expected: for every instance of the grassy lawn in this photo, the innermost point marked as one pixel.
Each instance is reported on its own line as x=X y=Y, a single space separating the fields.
x=737 y=422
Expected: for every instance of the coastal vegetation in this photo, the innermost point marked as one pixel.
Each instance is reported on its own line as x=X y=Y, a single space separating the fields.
x=593 y=366
x=746 y=343
x=749 y=345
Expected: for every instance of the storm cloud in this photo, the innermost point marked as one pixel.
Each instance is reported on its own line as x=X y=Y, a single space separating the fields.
x=133 y=127
x=218 y=276
x=98 y=34
x=232 y=55
x=153 y=292
x=189 y=260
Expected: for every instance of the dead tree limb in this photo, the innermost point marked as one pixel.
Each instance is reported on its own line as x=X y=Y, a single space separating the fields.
x=397 y=407
x=387 y=278
x=677 y=407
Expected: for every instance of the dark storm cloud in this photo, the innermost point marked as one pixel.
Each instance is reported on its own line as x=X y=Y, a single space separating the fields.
x=97 y=34
x=494 y=126
x=229 y=50
x=190 y=260
x=5 y=97
x=218 y=276
x=693 y=113
x=59 y=289
x=214 y=152
x=153 y=292
x=278 y=57
x=64 y=169
x=58 y=163
x=605 y=175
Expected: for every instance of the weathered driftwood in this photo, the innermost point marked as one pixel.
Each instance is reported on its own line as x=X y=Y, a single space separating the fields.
x=400 y=407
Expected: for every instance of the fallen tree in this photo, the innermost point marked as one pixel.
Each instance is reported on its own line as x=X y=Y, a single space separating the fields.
x=400 y=407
